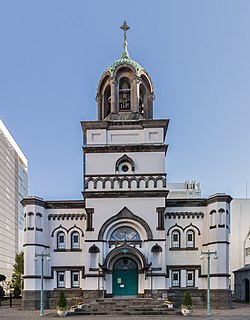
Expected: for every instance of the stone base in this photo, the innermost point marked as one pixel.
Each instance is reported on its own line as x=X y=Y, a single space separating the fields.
x=220 y=299
x=31 y=299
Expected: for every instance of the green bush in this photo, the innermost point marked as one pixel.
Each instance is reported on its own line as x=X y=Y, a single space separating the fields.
x=62 y=302
x=16 y=291
x=187 y=301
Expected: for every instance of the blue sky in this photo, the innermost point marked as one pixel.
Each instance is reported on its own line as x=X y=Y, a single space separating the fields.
x=197 y=52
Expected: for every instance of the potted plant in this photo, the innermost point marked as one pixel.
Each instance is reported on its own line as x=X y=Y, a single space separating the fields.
x=62 y=305
x=187 y=304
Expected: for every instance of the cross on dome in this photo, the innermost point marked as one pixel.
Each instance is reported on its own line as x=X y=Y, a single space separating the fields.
x=125 y=28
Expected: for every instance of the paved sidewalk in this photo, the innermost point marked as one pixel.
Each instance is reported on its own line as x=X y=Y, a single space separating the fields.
x=239 y=312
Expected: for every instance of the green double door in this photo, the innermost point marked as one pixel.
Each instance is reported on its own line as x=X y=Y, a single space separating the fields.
x=125 y=278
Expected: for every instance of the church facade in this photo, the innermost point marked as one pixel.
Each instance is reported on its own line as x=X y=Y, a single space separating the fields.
x=126 y=237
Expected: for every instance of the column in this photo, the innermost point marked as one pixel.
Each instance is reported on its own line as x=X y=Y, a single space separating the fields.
x=135 y=95
x=99 y=106
x=113 y=85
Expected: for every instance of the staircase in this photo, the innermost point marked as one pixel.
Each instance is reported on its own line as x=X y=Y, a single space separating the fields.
x=124 y=306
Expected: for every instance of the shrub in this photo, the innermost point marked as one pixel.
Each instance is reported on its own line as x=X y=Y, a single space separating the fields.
x=62 y=302
x=187 y=301
x=16 y=291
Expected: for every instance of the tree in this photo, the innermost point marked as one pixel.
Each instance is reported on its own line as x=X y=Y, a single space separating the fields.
x=18 y=269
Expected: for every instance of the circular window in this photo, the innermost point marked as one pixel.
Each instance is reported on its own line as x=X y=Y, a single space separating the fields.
x=125 y=168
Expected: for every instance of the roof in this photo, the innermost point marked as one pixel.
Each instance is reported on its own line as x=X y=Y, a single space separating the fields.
x=245 y=268
x=125 y=60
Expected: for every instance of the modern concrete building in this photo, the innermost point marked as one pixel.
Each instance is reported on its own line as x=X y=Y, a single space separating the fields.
x=13 y=188
x=187 y=189
x=127 y=237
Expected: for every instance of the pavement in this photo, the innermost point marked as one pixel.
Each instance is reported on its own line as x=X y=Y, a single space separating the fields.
x=240 y=311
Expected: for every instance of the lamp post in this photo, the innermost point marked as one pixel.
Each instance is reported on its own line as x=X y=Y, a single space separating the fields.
x=208 y=254
x=42 y=255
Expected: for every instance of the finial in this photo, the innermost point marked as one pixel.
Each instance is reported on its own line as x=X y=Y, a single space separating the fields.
x=125 y=28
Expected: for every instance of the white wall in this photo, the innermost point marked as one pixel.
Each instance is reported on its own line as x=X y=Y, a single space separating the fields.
x=104 y=163
x=239 y=229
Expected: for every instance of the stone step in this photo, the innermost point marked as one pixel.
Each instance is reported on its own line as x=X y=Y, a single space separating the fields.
x=114 y=306
x=129 y=312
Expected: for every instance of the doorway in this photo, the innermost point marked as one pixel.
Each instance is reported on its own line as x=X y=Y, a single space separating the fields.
x=125 y=277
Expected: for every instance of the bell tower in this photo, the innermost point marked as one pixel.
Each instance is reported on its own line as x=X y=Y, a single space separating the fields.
x=125 y=90
x=124 y=179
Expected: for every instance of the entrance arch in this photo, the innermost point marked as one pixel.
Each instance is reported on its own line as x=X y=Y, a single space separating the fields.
x=125 y=277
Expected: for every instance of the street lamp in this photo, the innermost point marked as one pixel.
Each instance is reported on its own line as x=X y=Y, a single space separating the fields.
x=42 y=255
x=208 y=254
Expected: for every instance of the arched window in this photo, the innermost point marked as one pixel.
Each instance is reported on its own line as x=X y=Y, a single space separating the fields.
x=93 y=261
x=107 y=101
x=125 y=234
x=94 y=251
x=75 y=240
x=30 y=220
x=125 y=264
x=125 y=165
x=175 y=239
x=39 y=220
x=190 y=239
x=124 y=94
x=221 y=218
x=212 y=219
x=61 y=240
x=156 y=250
x=142 y=99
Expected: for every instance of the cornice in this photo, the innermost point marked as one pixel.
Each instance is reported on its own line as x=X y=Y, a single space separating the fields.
x=125 y=125
x=125 y=194
x=125 y=148
x=33 y=201
x=57 y=204
x=198 y=202
x=219 y=198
